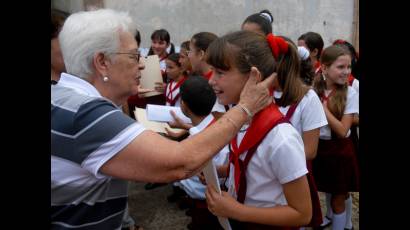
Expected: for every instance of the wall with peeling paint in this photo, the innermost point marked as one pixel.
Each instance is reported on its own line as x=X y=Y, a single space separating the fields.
x=332 y=19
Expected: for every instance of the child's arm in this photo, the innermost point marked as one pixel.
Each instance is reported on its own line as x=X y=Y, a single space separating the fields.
x=298 y=212
x=310 y=141
x=356 y=119
x=339 y=127
x=178 y=123
x=176 y=135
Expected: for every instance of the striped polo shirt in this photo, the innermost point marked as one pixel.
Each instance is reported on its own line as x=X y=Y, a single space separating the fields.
x=86 y=131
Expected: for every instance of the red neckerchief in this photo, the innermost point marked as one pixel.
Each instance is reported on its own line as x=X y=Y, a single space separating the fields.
x=324 y=98
x=317 y=67
x=350 y=79
x=261 y=124
x=208 y=75
x=169 y=92
x=164 y=57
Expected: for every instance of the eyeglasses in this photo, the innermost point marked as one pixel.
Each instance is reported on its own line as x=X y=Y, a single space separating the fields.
x=135 y=56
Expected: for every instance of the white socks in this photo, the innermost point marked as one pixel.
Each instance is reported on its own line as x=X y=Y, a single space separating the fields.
x=348 y=210
x=339 y=221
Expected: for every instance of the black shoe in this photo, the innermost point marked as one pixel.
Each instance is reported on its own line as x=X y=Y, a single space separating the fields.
x=149 y=186
x=349 y=228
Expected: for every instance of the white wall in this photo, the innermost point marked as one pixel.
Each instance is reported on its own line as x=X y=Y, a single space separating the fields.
x=332 y=19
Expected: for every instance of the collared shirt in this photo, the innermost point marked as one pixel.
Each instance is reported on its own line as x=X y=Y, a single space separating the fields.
x=279 y=159
x=87 y=130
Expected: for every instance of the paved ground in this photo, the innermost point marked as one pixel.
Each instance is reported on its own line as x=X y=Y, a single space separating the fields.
x=151 y=209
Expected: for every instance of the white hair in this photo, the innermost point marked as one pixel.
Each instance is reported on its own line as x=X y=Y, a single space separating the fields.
x=85 y=34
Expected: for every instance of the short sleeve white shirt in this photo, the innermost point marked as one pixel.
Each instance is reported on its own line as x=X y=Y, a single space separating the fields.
x=279 y=159
x=352 y=107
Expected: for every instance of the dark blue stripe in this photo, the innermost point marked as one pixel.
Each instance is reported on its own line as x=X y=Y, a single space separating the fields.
x=78 y=149
x=62 y=120
x=84 y=213
x=68 y=122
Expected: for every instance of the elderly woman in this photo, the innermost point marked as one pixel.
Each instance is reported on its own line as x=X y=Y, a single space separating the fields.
x=95 y=148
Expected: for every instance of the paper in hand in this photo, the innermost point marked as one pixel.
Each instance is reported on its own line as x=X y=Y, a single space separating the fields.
x=150 y=74
x=211 y=178
x=158 y=127
x=162 y=113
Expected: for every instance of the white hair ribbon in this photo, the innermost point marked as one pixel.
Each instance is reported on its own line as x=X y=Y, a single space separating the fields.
x=303 y=53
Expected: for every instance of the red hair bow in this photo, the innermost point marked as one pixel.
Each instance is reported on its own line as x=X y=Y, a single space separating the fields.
x=278 y=45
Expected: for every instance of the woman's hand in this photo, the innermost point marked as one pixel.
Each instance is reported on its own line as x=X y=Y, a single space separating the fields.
x=223 y=205
x=255 y=94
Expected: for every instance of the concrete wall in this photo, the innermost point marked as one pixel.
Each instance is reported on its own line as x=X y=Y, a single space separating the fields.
x=332 y=19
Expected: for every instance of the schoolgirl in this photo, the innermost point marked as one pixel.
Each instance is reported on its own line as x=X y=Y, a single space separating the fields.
x=161 y=45
x=267 y=185
x=354 y=82
x=335 y=167
x=176 y=77
x=302 y=107
x=183 y=58
x=314 y=43
x=197 y=50
x=260 y=22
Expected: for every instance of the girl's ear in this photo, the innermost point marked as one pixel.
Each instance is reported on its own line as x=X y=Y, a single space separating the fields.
x=202 y=54
x=324 y=68
x=314 y=52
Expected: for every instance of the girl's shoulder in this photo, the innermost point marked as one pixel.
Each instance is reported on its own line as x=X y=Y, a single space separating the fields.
x=351 y=92
x=310 y=98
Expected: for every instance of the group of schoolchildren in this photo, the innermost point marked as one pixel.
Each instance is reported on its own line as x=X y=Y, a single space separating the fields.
x=304 y=142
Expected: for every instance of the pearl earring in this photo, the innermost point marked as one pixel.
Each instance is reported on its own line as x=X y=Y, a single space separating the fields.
x=105 y=79
x=324 y=77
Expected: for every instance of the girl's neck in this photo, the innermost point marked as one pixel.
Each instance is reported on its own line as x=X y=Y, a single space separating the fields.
x=196 y=120
x=330 y=85
x=162 y=55
x=180 y=77
x=205 y=69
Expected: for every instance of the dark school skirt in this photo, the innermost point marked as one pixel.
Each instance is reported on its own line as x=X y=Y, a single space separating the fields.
x=202 y=218
x=314 y=196
x=335 y=167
